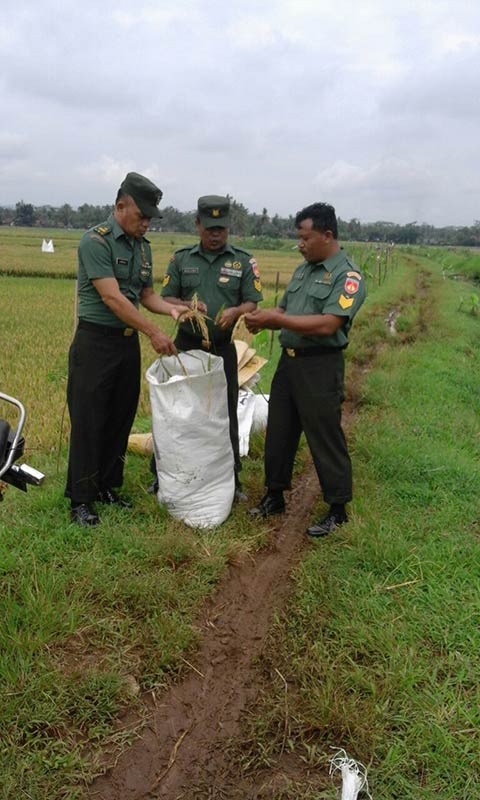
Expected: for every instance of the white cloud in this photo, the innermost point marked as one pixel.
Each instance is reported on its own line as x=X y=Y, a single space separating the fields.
x=13 y=145
x=274 y=103
x=387 y=175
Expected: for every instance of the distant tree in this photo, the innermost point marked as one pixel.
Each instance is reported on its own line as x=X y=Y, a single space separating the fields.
x=24 y=214
x=239 y=218
x=65 y=216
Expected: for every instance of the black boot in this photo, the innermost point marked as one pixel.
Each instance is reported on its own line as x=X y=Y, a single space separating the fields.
x=336 y=516
x=271 y=503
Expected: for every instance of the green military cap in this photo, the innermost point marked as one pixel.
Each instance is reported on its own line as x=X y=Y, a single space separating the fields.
x=146 y=195
x=214 y=211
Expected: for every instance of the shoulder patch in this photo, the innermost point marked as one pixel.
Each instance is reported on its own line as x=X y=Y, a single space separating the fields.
x=351 y=285
x=102 y=229
x=255 y=269
x=345 y=302
x=166 y=280
x=98 y=237
x=354 y=275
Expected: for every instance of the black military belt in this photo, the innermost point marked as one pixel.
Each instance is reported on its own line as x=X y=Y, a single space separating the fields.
x=105 y=330
x=300 y=352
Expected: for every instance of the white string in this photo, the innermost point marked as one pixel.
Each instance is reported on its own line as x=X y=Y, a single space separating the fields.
x=354 y=774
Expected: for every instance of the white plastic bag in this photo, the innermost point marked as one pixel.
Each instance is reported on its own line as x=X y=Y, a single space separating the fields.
x=191 y=438
x=354 y=775
x=245 y=412
x=260 y=412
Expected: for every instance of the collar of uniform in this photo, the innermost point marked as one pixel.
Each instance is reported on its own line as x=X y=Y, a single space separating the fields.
x=331 y=263
x=227 y=248
x=118 y=231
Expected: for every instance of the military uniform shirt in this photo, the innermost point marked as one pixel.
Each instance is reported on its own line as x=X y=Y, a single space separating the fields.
x=106 y=251
x=221 y=280
x=333 y=286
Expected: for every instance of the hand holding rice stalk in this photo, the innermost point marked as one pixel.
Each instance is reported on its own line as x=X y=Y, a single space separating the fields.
x=354 y=775
x=198 y=320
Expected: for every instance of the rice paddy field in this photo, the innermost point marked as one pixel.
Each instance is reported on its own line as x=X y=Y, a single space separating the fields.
x=37 y=309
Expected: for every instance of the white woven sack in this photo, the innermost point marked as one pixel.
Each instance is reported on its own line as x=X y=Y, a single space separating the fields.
x=191 y=439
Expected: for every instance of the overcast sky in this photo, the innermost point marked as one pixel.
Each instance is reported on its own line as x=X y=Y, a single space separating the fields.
x=371 y=105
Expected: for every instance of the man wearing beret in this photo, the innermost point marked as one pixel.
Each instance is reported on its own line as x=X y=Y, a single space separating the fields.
x=114 y=277
x=314 y=318
x=226 y=283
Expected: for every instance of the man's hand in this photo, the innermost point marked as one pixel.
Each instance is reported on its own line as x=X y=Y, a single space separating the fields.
x=177 y=311
x=271 y=318
x=162 y=343
x=228 y=318
x=201 y=306
x=186 y=304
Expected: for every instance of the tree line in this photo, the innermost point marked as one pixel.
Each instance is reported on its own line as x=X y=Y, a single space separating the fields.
x=246 y=224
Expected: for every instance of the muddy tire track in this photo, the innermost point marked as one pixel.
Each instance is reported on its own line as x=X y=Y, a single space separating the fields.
x=182 y=753
x=184 y=742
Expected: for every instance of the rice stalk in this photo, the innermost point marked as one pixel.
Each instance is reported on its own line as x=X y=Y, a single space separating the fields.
x=197 y=320
x=182 y=366
x=219 y=313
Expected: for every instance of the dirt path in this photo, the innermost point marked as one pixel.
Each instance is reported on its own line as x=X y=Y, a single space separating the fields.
x=181 y=753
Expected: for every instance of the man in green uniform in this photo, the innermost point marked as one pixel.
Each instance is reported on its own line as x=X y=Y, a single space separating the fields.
x=314 y=316
x=225 y=282
x=114 y=277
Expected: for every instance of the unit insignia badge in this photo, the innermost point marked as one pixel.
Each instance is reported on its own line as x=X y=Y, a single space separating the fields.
x=351 y=285
x=345 y=302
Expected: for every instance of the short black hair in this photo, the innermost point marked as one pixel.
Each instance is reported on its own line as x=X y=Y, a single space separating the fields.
x=120 y=195
x=322 y=215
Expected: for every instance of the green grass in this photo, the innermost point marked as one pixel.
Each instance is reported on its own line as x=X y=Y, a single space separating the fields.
x=380 y=642
x=90 y=615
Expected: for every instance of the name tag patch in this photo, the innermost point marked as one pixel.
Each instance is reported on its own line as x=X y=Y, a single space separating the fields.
x=122 y=261
x=228 y=271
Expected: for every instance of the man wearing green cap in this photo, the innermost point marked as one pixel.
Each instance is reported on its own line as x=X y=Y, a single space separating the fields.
x=114 y=277
x=225 y=282
x=314 y=317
